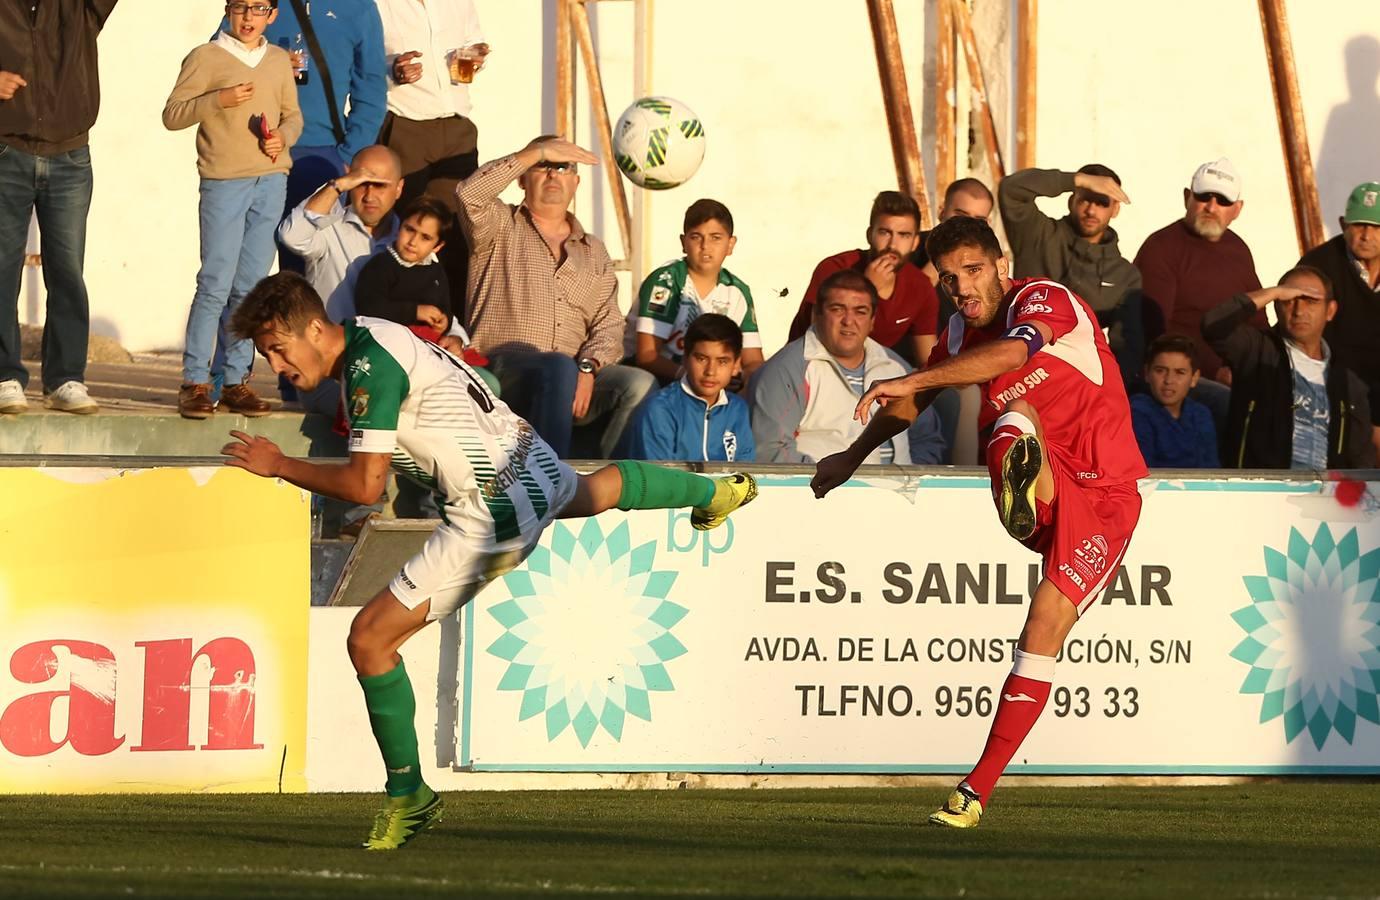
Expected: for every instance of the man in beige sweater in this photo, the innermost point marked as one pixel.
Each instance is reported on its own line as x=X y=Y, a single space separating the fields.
x=238 y=90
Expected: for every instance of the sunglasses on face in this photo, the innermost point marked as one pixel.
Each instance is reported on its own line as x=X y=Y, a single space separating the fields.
x=556 y=166
x=1210 y=195
x=259 y=11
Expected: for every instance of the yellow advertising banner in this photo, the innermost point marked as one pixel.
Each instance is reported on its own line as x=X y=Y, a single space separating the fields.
x=153 y=630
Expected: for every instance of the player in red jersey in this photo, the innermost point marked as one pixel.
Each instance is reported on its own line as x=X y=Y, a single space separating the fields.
x=1062 y=454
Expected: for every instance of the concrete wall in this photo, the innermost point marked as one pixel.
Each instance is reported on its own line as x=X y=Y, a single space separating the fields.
x=797 y=139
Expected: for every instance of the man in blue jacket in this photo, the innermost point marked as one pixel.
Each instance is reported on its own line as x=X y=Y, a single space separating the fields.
x=696 y=417
x=350 y=36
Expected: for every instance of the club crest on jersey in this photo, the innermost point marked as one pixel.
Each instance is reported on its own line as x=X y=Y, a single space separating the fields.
x=359 y=403
x=361 y=367
x=730 y=446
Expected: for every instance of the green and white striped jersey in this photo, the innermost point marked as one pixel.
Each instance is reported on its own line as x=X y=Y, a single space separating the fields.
x=667 y=303
x=493 y=476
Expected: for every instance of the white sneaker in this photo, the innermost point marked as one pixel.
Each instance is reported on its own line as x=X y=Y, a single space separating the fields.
x=12 y=401
x=71 y=397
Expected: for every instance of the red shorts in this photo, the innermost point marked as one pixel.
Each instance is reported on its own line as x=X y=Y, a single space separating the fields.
x=1084 y=533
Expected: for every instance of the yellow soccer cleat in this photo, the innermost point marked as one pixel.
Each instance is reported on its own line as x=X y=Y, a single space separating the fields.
x=963 y=810
x=1020 y=471
x=729 y=494
x=404 y=818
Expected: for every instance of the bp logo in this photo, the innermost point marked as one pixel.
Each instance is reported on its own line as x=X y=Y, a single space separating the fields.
x=588 y=632
x=1313 y=636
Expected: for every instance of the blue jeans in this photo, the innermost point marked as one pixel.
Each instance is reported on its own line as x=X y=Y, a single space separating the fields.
x=238 y=219
x=540 y=387
x=58 y=188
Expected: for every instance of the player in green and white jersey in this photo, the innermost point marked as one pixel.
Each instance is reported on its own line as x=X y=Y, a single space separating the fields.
x=415 y=407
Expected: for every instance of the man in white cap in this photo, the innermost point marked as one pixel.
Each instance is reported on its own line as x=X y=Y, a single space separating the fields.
x=1352 y=261
x=1194 y=264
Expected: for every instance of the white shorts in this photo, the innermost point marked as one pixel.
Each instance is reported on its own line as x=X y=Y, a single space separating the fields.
x=454 y=566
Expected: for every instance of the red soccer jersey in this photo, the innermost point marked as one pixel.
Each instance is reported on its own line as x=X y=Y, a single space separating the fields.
x=1073 y=381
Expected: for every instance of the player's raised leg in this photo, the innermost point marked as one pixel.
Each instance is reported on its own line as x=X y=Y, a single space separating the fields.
x=379 y=629
x=1020 y=474
x=1022 y=699
x=629 y=484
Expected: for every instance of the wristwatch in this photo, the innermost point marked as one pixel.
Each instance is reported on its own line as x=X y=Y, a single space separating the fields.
x=588 y=366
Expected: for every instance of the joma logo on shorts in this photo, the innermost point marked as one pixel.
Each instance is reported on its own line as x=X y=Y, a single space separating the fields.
x=1073 y=576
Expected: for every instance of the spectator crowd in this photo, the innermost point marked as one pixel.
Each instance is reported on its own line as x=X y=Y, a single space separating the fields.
x=337 y=141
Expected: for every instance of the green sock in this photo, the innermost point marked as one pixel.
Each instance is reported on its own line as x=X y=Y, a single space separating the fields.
x=392 y=709
x=647 y=486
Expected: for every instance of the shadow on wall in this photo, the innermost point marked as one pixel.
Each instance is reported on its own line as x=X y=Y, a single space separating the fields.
x=1347 y=156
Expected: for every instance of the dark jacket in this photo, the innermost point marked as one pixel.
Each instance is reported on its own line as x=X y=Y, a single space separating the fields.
x=1260 y=421
x=1053 y=248
x=1354 y=333
x=54 y=50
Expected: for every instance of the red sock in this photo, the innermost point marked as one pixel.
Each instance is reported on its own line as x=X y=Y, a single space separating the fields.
x=1006 y=429
x=1023 y=698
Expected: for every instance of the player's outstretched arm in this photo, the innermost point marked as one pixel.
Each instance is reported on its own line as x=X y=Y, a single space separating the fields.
x=976 y=365
x=361 y=480
x=891 y=420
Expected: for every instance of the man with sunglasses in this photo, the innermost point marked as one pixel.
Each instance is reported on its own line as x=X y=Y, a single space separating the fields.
x=1079 y=250
x=543 y=301
x=1194 y=265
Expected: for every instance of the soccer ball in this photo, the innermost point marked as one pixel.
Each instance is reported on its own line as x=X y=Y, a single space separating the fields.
x=658 y=143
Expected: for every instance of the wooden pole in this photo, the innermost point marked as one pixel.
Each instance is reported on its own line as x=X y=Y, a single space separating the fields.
x=905 y=146
x=565 y=73
x=1298 y=161
x=964 y=22
x=945 y=107
x=579 y=17
x=1027 y=60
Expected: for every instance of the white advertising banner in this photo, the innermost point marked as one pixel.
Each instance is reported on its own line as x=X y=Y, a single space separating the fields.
x=870 y=631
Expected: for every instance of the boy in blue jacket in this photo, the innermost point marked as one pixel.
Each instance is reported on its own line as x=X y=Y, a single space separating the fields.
x=697 y=418
x=1172 y=430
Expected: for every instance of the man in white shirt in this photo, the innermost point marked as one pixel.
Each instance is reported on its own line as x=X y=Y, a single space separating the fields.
x=428 y=122
x=335 y=240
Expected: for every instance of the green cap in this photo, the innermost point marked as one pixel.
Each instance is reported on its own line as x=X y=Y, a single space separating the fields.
x=1364 y=204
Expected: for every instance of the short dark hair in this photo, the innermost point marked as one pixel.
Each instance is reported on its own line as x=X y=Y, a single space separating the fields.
x=706 y=210
x=1099 y=169
x=968 y=186
x=1316 y=273
x=962 y=231
x=846 y=280
x=894 y=203
x=285 y=297
x=427 y=205
x=714 y=327
x=1173 y=343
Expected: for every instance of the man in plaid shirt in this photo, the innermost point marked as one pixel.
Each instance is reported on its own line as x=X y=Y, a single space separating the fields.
x=543 y=299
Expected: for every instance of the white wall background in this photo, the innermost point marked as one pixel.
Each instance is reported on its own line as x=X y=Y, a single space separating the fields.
x=797 y=135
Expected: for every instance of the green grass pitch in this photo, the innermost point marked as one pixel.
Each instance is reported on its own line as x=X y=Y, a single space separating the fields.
x=1258 y=840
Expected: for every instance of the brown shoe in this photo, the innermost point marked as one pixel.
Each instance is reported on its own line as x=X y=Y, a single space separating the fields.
x=240 y=398
x=194 y=401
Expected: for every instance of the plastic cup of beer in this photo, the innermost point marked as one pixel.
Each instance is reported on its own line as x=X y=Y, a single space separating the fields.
x=464 y=61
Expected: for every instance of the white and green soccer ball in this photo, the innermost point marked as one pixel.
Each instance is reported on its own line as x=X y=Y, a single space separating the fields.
x=658 y=143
